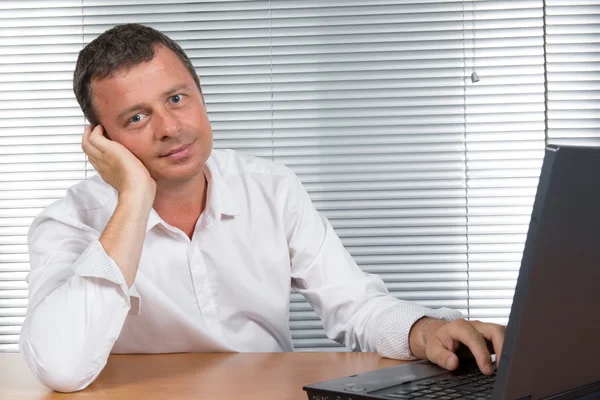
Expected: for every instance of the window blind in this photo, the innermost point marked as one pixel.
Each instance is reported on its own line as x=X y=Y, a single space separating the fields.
x=505 y=145
x=40 y=134
x=427 y=177
x=573 y=69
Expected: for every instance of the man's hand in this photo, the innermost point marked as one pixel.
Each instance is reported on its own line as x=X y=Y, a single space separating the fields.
x=116 y=164
x=123 y=237
x=438 y=341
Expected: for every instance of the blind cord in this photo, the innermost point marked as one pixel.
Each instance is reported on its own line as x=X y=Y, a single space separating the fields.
x=271 y=79
x=465 y=157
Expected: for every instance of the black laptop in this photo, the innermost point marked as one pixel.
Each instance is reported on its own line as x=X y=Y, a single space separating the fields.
x=552 y=344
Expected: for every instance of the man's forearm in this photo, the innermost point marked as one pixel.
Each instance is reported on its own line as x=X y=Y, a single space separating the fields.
x=123 y=237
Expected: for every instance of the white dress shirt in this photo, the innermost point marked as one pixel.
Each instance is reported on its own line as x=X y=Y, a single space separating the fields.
x=226 y=289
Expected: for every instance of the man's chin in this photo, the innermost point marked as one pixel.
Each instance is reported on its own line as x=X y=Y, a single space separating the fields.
x=177 y=177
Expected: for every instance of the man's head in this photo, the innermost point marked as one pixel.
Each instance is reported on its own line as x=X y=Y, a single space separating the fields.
x=118 y=49
x=142 y=88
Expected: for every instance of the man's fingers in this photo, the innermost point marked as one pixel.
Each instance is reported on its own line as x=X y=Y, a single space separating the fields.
x=87 y=145
x=439 y=353
x=493 y=333
x=464 y=332
x=97 y=138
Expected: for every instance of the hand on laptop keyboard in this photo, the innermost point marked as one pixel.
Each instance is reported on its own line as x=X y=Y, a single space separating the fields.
x=440 y=341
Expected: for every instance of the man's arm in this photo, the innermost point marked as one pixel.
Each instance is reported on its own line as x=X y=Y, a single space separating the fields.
x=356 y=308
x=123 y=237
x=79 y=284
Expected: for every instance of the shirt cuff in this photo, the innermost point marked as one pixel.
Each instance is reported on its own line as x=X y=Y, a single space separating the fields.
x=395 y=325
x=95 y=263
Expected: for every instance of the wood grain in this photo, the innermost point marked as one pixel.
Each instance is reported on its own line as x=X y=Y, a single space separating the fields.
x=198 y=376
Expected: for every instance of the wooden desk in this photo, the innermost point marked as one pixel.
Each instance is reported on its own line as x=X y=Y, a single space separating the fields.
x=208 y=376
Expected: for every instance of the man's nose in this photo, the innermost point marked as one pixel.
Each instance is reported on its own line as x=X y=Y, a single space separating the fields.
x=169 y=124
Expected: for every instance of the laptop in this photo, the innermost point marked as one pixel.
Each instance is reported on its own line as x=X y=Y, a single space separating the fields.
x=552 y=344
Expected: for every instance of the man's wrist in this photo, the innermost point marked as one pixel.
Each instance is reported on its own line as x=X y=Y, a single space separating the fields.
x=420 y=333
x=136 y=198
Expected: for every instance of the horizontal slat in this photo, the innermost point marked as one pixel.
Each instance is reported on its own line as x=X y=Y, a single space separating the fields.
x=406 y=241
x=321 y=342
x=12 y=303
x=9 y=293
x=502 y=210
x=339 y=348
x=12 y=285
x=11 y=321
x=101 y=7
x=487 y=257
x=401 y=222
x=365 y=186
x=480 y=313
x=307 y=334
x=13 y=312
x=9 y=348
x=491 y=303
x=380 y=204
x=14 y=223
x=341 y=214
x=376 y=251
x=39 y=185
x=14 y=267
x=476 y=239
x=9 y=339
x=401 y=14
x=14 y=276
x=495 y=266
x=405 y=231
x=54 y=194
x=409 y=271
x=21 y=212
x=10 y=330
x=365 y=261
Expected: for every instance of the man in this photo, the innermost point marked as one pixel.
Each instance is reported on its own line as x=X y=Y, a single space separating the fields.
x=175 y=247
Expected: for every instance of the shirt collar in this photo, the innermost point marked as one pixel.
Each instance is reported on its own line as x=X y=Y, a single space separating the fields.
x=220 y=200
x=153 y=220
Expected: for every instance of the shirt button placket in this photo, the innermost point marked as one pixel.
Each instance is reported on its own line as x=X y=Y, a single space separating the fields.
x=204 y=294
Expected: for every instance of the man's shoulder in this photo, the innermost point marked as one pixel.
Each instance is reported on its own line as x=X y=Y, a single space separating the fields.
x=231 y=163
x=84 y=204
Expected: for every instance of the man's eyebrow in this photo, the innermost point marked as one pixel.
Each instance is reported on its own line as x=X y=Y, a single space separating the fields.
x=129 y=110
x=175 y=89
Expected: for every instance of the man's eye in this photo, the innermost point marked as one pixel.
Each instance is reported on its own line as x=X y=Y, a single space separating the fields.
x=136 y=118
x=176 y=99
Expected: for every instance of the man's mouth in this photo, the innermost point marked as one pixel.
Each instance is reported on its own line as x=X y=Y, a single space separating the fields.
x=178 y=151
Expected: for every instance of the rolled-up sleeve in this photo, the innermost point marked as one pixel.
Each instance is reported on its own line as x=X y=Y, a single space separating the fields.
x=78 y=302
x=355 y=307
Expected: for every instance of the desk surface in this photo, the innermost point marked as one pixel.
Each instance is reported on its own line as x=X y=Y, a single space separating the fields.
x=196 y=376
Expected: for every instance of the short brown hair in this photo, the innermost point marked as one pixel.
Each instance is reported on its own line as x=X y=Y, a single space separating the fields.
x=121 y=47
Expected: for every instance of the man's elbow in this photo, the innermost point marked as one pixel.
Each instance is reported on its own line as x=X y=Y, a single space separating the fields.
x=64 y=381
x=57 y=373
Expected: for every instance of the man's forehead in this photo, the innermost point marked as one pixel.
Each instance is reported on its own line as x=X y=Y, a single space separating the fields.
x=164 y=59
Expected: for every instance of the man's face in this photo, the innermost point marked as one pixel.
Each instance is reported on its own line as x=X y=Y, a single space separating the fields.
x=157 y=112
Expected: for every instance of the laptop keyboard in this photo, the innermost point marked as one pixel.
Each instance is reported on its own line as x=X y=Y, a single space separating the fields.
x=472 y=386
